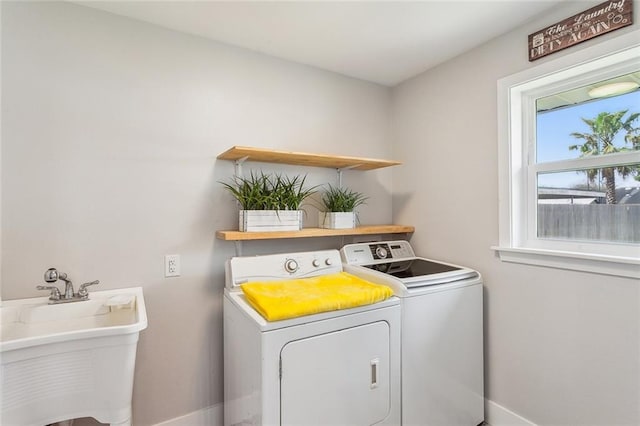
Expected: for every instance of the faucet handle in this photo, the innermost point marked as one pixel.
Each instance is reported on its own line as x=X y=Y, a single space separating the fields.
x=55 y=293
x=82 y=291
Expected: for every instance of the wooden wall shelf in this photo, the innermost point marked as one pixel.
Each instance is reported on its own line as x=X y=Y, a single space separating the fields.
x=240 y=154
x=244 y=153
x=314 y=232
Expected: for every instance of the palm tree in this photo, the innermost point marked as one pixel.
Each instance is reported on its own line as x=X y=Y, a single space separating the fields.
x=603 y=130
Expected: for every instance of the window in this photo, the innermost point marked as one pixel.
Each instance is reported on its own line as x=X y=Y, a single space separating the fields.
x=569 y=159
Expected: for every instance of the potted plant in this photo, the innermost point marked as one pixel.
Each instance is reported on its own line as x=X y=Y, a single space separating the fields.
x=339 y=208
x=269 y=202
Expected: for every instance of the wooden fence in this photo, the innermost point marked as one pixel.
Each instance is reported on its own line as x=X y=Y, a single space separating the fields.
x=603 y=222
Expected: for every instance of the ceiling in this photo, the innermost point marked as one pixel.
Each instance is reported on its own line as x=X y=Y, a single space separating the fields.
x=385 y=42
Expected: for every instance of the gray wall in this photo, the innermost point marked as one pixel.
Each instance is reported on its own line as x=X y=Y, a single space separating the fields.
x=110 y=132
x=562 y=348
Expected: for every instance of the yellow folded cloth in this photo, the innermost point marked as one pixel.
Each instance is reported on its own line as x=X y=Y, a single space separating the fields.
x=278 y=300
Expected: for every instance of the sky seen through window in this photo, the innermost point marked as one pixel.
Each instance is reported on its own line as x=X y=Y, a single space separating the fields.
x=553 y=136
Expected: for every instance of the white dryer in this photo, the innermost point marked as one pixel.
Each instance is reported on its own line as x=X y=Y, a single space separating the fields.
x=333 y=368
x=442 y=332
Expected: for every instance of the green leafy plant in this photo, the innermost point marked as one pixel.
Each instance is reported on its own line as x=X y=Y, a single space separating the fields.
x=262 y=191
x=600 y=139
x=342 y=199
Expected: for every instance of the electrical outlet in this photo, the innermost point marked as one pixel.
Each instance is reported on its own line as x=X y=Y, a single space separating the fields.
x=172 y=265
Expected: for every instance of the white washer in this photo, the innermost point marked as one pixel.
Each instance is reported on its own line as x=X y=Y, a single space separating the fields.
x=333 y=368
x=442 y=333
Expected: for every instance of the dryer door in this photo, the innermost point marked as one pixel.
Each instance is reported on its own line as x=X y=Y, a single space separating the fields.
x=337 y=378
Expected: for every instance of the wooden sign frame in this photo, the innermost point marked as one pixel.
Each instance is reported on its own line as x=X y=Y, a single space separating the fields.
x=596 y=21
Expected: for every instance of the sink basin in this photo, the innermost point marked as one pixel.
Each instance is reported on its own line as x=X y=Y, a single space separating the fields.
x=70 y=360
x=32 y=322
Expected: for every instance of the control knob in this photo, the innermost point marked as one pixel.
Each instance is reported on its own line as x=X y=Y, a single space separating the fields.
x=328 y=261
x=381 y=252
x=290 y=265
x=315 y=263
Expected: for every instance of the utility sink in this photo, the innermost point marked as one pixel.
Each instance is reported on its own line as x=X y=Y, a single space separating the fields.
x=70 y=360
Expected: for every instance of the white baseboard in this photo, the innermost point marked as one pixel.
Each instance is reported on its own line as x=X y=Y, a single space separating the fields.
x=497 y=415
x=211 y=416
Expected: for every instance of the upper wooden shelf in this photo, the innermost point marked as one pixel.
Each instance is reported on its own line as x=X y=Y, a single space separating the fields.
x=303 y=159
x=314 y=232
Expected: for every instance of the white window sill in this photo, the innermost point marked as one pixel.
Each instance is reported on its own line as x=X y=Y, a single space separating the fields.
x=600 y=264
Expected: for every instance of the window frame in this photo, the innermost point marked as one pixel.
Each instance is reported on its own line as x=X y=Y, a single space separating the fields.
x=518 y=241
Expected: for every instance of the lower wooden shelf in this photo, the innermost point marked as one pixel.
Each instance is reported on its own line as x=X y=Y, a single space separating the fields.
x=314 y=233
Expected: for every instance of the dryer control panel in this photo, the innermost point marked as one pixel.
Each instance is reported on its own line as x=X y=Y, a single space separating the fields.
x=278 y=267
x=368 y=253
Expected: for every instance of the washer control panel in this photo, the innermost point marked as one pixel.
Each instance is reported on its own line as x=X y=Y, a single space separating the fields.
x=278 y=267
x=368 y=253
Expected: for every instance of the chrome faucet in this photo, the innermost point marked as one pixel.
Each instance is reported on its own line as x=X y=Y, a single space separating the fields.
x=52 y=275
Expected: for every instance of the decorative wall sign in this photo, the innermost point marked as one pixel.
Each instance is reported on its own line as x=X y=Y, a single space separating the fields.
x=601 y=19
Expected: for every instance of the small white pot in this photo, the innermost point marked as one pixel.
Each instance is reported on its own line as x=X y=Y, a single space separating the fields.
x=337 y=220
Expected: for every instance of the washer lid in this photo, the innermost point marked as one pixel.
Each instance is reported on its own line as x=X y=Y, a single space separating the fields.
x=397 y=260
x=420 y=272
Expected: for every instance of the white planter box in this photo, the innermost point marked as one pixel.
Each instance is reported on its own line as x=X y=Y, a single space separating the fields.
x=270 y=220
x=337 y=220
